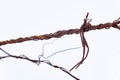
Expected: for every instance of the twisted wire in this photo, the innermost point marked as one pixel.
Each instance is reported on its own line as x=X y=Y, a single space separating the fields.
x=85 y=27
x=61 y=33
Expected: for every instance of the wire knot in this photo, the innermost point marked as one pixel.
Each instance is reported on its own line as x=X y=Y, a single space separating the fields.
x=115 y=23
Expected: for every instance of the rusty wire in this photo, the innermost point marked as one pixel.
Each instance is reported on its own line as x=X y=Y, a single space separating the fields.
x=85 y=27
x=61 y=33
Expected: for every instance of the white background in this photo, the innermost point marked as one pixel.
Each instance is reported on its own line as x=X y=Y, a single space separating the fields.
x=21 y=18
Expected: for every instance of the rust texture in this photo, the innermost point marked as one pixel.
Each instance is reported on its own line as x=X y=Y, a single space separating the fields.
x=61 y=33
x=57 y=34
x=85 y=27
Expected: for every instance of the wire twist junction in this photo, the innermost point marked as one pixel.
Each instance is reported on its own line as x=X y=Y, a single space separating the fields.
x=86 y=26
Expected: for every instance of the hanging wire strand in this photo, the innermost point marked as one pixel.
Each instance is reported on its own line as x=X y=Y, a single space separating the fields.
x=43 y=56
x=85 y=27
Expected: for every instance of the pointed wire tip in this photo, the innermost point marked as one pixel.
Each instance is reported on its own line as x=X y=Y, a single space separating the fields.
x=87 y=15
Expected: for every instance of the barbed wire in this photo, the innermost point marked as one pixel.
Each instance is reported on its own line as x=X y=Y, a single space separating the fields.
x=61 y=33
x=85 y=27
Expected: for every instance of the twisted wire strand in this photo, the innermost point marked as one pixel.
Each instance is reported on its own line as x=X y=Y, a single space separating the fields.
x=57 y=34
x=36 y=62
x=85 y=27
x=61 y=33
